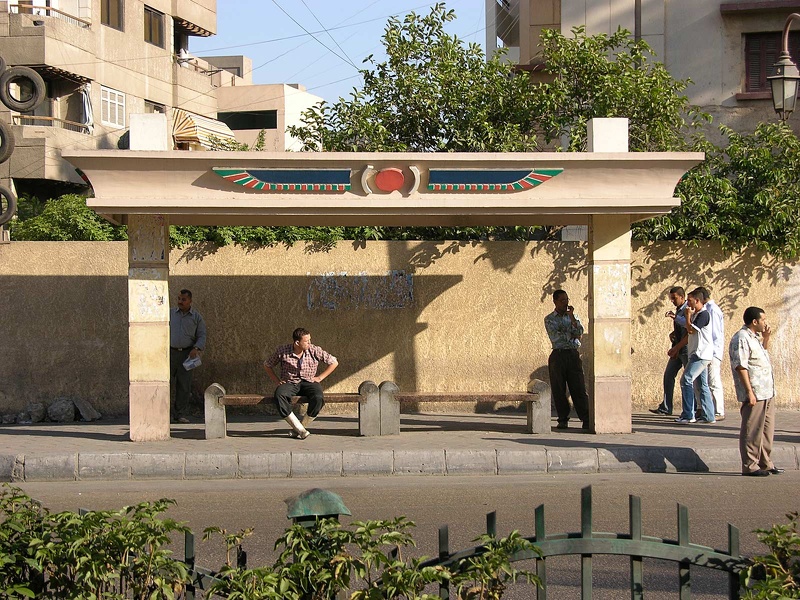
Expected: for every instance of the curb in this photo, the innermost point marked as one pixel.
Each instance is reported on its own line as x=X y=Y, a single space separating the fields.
x=347 y=463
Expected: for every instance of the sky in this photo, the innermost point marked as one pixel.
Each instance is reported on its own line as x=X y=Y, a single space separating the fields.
x=319 y=43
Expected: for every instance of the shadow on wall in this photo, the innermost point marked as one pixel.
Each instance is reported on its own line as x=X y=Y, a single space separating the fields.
x=74 y=338
x=360 y=319
x=728 y=277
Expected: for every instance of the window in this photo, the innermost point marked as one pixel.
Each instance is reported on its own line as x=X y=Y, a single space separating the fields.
x=111 y=13
x=761 y=53
x=154 y=107
x=112 y=107
x=153 y=27
x=252 y=119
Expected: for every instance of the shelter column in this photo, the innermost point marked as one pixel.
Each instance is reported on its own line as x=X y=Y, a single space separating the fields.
x=610 y=323
x=148 y=318
x=610 y=298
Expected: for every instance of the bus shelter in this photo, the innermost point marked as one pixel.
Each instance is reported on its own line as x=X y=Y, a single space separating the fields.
x=605 y=189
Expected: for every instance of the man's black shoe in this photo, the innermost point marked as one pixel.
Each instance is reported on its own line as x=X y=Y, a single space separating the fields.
x=659 y=411
x=562 y=425
x=776 y=470
x=759 y=473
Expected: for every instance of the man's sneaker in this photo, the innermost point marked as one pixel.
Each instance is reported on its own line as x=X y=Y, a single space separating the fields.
x=659 y=411
x=706 y=422
x=562 y=425
x=684 y=421
x=719 y=417
x=298 y=436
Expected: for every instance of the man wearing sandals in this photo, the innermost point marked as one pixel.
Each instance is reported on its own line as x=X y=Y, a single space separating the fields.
x=298 y=377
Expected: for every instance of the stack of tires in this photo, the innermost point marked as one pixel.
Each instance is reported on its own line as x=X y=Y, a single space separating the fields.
x=25 y=79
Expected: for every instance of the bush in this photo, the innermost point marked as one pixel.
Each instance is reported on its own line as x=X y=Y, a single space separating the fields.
x=776 y=575
x=100 y=555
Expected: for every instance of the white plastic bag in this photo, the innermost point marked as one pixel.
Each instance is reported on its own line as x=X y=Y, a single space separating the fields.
x=192 y=363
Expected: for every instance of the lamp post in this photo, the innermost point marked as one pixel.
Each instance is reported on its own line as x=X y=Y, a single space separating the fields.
x=784 y=82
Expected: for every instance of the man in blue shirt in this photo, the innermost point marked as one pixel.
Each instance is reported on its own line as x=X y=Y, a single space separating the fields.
x=564 y=365
x=187 y=339
x=678 y=355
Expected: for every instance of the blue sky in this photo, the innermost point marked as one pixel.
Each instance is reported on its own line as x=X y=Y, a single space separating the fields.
x=338 y=35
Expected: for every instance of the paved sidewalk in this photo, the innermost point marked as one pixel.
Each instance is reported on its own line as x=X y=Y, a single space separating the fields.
x=430 y=444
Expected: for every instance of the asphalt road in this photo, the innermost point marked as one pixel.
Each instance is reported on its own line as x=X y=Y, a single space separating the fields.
x=713 y=501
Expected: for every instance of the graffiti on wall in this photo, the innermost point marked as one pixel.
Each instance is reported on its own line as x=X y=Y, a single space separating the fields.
x=345 y=291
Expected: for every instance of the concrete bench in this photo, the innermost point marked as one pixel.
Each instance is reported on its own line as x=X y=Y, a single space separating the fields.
x=216 y=399
x=536 y=400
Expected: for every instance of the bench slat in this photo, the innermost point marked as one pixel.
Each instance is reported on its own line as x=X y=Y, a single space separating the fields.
x=253 y=399
x=467 y=397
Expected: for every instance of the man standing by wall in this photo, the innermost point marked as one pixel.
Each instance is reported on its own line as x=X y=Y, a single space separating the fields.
x=187 y=339
x=566 y=369
x=299 y=361
x=701 y=351
x=678 y=353
x=715 y=366
x=755 y=390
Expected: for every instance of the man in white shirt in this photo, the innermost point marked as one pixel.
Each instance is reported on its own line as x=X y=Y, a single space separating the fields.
x=715 y=366
x=701 y=351
x=755 y=391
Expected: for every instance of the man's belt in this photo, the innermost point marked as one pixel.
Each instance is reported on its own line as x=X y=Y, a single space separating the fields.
x=181 y=349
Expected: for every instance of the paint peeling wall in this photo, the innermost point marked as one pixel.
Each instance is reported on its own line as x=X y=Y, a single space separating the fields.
x=447 y=316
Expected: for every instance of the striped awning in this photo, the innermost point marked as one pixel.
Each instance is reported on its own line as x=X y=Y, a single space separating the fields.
x=189 y=127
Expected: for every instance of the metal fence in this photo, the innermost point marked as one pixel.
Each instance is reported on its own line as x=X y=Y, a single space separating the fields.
x=587 y=543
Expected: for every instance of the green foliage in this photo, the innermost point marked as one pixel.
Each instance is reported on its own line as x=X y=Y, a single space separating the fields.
x=66 y=218
x=747 y=192
x=102 y=555
x=776 y=575
x=611 y=76
x=433 y=94
x=485 y=575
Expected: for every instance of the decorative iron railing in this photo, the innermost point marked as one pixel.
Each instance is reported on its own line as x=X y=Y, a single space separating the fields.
x=46 y=11
x=634 y=544
x=50 y=122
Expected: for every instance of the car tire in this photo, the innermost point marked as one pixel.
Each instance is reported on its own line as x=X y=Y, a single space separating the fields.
x=11 y=75
x=11 y=199
x=7 y=142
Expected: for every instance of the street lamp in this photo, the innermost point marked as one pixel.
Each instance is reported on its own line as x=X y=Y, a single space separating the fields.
x=784 y=82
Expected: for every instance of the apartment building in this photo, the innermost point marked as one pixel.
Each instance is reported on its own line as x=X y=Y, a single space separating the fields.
x=104 y=60
x=726 y=48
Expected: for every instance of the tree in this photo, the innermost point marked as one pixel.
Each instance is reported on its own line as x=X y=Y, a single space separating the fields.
x=66 y=218
x=436 y=94
x=432 y=94
x=612 y=76
x=747 y=192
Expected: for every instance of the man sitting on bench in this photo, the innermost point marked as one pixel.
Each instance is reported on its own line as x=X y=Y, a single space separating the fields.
x=299 y=362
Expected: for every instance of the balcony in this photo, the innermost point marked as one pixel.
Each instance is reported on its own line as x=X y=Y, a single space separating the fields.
x=46 y=11
x=51 y=122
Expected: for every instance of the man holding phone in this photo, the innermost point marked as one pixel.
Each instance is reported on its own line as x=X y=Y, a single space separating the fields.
x=564 y=365
x=755 y=391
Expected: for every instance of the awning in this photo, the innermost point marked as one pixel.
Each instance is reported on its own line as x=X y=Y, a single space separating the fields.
x=192 y=128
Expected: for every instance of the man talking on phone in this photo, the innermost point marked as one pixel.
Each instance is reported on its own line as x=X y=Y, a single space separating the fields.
x=564 y=365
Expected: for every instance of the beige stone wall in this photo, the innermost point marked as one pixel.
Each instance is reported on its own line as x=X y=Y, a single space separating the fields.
x=431 y=316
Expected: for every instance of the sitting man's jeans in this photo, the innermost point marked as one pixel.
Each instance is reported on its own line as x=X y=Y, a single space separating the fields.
x=696 y=369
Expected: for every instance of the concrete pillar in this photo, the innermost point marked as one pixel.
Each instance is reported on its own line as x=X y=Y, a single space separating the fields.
x=610 y=323
x=609 y=299
x=148 y=327
x=148 y=302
